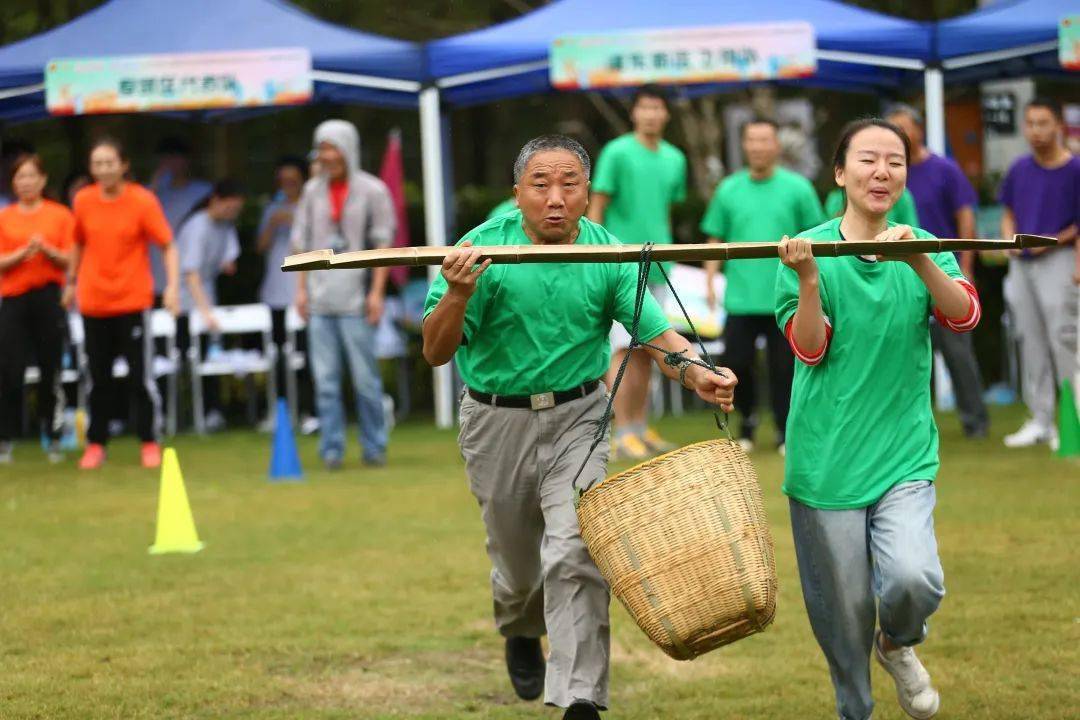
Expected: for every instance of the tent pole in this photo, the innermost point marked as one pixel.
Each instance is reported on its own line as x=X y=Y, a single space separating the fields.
x=435 y=226
x=934 y=83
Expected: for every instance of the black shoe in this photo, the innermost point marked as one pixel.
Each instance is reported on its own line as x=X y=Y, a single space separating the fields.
x=581 y=710
x=525 y=663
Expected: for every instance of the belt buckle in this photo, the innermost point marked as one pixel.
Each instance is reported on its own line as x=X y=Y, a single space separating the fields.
x=542 y=401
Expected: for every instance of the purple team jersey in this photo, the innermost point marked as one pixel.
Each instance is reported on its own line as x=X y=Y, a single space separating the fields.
x=1044 y=202
x=940 y=190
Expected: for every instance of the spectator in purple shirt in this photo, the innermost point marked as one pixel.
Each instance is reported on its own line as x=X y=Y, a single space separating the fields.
x=945 y=202
x=1041 y=195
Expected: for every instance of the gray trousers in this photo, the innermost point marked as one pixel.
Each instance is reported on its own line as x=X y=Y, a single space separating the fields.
x=847 y=558
x=520 y=465
x=959 y=353
x=1042 y=301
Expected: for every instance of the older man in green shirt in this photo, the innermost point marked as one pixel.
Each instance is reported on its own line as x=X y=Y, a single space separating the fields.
x=761 y=202
x=531 y=342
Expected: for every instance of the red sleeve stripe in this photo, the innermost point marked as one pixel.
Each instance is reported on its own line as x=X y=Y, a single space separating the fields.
x=970 y=319
x=805 y=357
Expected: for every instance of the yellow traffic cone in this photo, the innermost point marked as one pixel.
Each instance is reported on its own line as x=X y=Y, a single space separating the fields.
x=175 y=526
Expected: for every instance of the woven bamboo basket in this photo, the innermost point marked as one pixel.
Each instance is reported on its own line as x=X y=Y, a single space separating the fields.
x=683 y=542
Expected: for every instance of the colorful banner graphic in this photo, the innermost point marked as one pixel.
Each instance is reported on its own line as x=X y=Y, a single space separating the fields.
x=1069 y=42
x=183 y=81
x=731 y=53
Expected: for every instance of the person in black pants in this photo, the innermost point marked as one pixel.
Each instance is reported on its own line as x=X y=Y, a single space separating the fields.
x=36 y=236
x=740 y=353
x=761 y=202
x=115 y=222
x=278 y=289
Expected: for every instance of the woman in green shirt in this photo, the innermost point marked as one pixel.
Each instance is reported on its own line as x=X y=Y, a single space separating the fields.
x=862 y=443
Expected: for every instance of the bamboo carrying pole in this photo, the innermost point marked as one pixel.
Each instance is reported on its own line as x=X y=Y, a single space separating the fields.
x=417 y=256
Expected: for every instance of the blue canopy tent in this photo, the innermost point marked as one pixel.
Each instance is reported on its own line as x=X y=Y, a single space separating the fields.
x=855 y=46
x=349 y=66
x=857 y=49
x=1006 y=39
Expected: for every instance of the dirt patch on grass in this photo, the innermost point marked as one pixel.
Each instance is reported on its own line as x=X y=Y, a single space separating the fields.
x=410 y=683
x=653 y=661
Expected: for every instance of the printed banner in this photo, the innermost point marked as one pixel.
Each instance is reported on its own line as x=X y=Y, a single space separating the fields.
x=730 y=53
x=1069 y=42
x=182 y=81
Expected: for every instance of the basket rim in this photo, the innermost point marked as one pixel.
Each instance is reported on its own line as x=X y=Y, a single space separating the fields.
x=658 y=458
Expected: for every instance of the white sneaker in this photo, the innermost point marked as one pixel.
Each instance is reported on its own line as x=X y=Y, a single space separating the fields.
x=1030 y=433
x=1055 y=441
x=309 y=425
x=746 y=444
x=6 y=453
x=916 y=695
x=54 y=453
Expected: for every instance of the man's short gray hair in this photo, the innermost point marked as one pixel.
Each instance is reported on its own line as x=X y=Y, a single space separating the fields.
x=905 y=109
x=550 y=142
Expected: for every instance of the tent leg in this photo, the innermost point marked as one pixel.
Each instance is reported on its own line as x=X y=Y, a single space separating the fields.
x=934 y=83
x=435 y=226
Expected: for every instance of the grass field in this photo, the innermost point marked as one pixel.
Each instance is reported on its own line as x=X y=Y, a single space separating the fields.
x=364 y=594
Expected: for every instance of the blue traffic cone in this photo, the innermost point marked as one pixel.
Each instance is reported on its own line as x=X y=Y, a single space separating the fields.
x=284 y=459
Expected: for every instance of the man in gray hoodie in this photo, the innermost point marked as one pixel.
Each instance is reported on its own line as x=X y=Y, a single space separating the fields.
x=344 y=209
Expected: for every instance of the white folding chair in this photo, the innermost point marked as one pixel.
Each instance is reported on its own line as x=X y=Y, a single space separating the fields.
x=77 y=373
x=163 y=327
x=295 y=359
x=254 y=319
x=391 y=343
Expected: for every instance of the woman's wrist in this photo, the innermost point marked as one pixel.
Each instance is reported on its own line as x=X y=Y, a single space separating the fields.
x=917 y=260
x=809 y=280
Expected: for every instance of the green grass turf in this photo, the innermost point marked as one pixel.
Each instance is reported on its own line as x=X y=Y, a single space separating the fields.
x=364 y=594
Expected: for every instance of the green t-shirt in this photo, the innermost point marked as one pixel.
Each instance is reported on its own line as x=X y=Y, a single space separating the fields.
x=539 y=327
x=902 y=213
x=744 y=209
x=860 y=420
x=642 y=184
x=506 y=206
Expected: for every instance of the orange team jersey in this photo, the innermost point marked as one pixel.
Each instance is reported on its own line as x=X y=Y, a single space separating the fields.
x=115 y=235
x=56 y=226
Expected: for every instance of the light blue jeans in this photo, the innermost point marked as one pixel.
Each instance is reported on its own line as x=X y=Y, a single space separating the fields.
x=332 y=338
x=847 y=558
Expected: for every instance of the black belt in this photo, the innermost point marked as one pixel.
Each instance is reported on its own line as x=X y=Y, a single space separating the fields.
x=540 y=401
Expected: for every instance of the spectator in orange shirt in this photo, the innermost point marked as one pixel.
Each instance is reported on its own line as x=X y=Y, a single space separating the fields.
x=36 y=237
x=116 y=220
